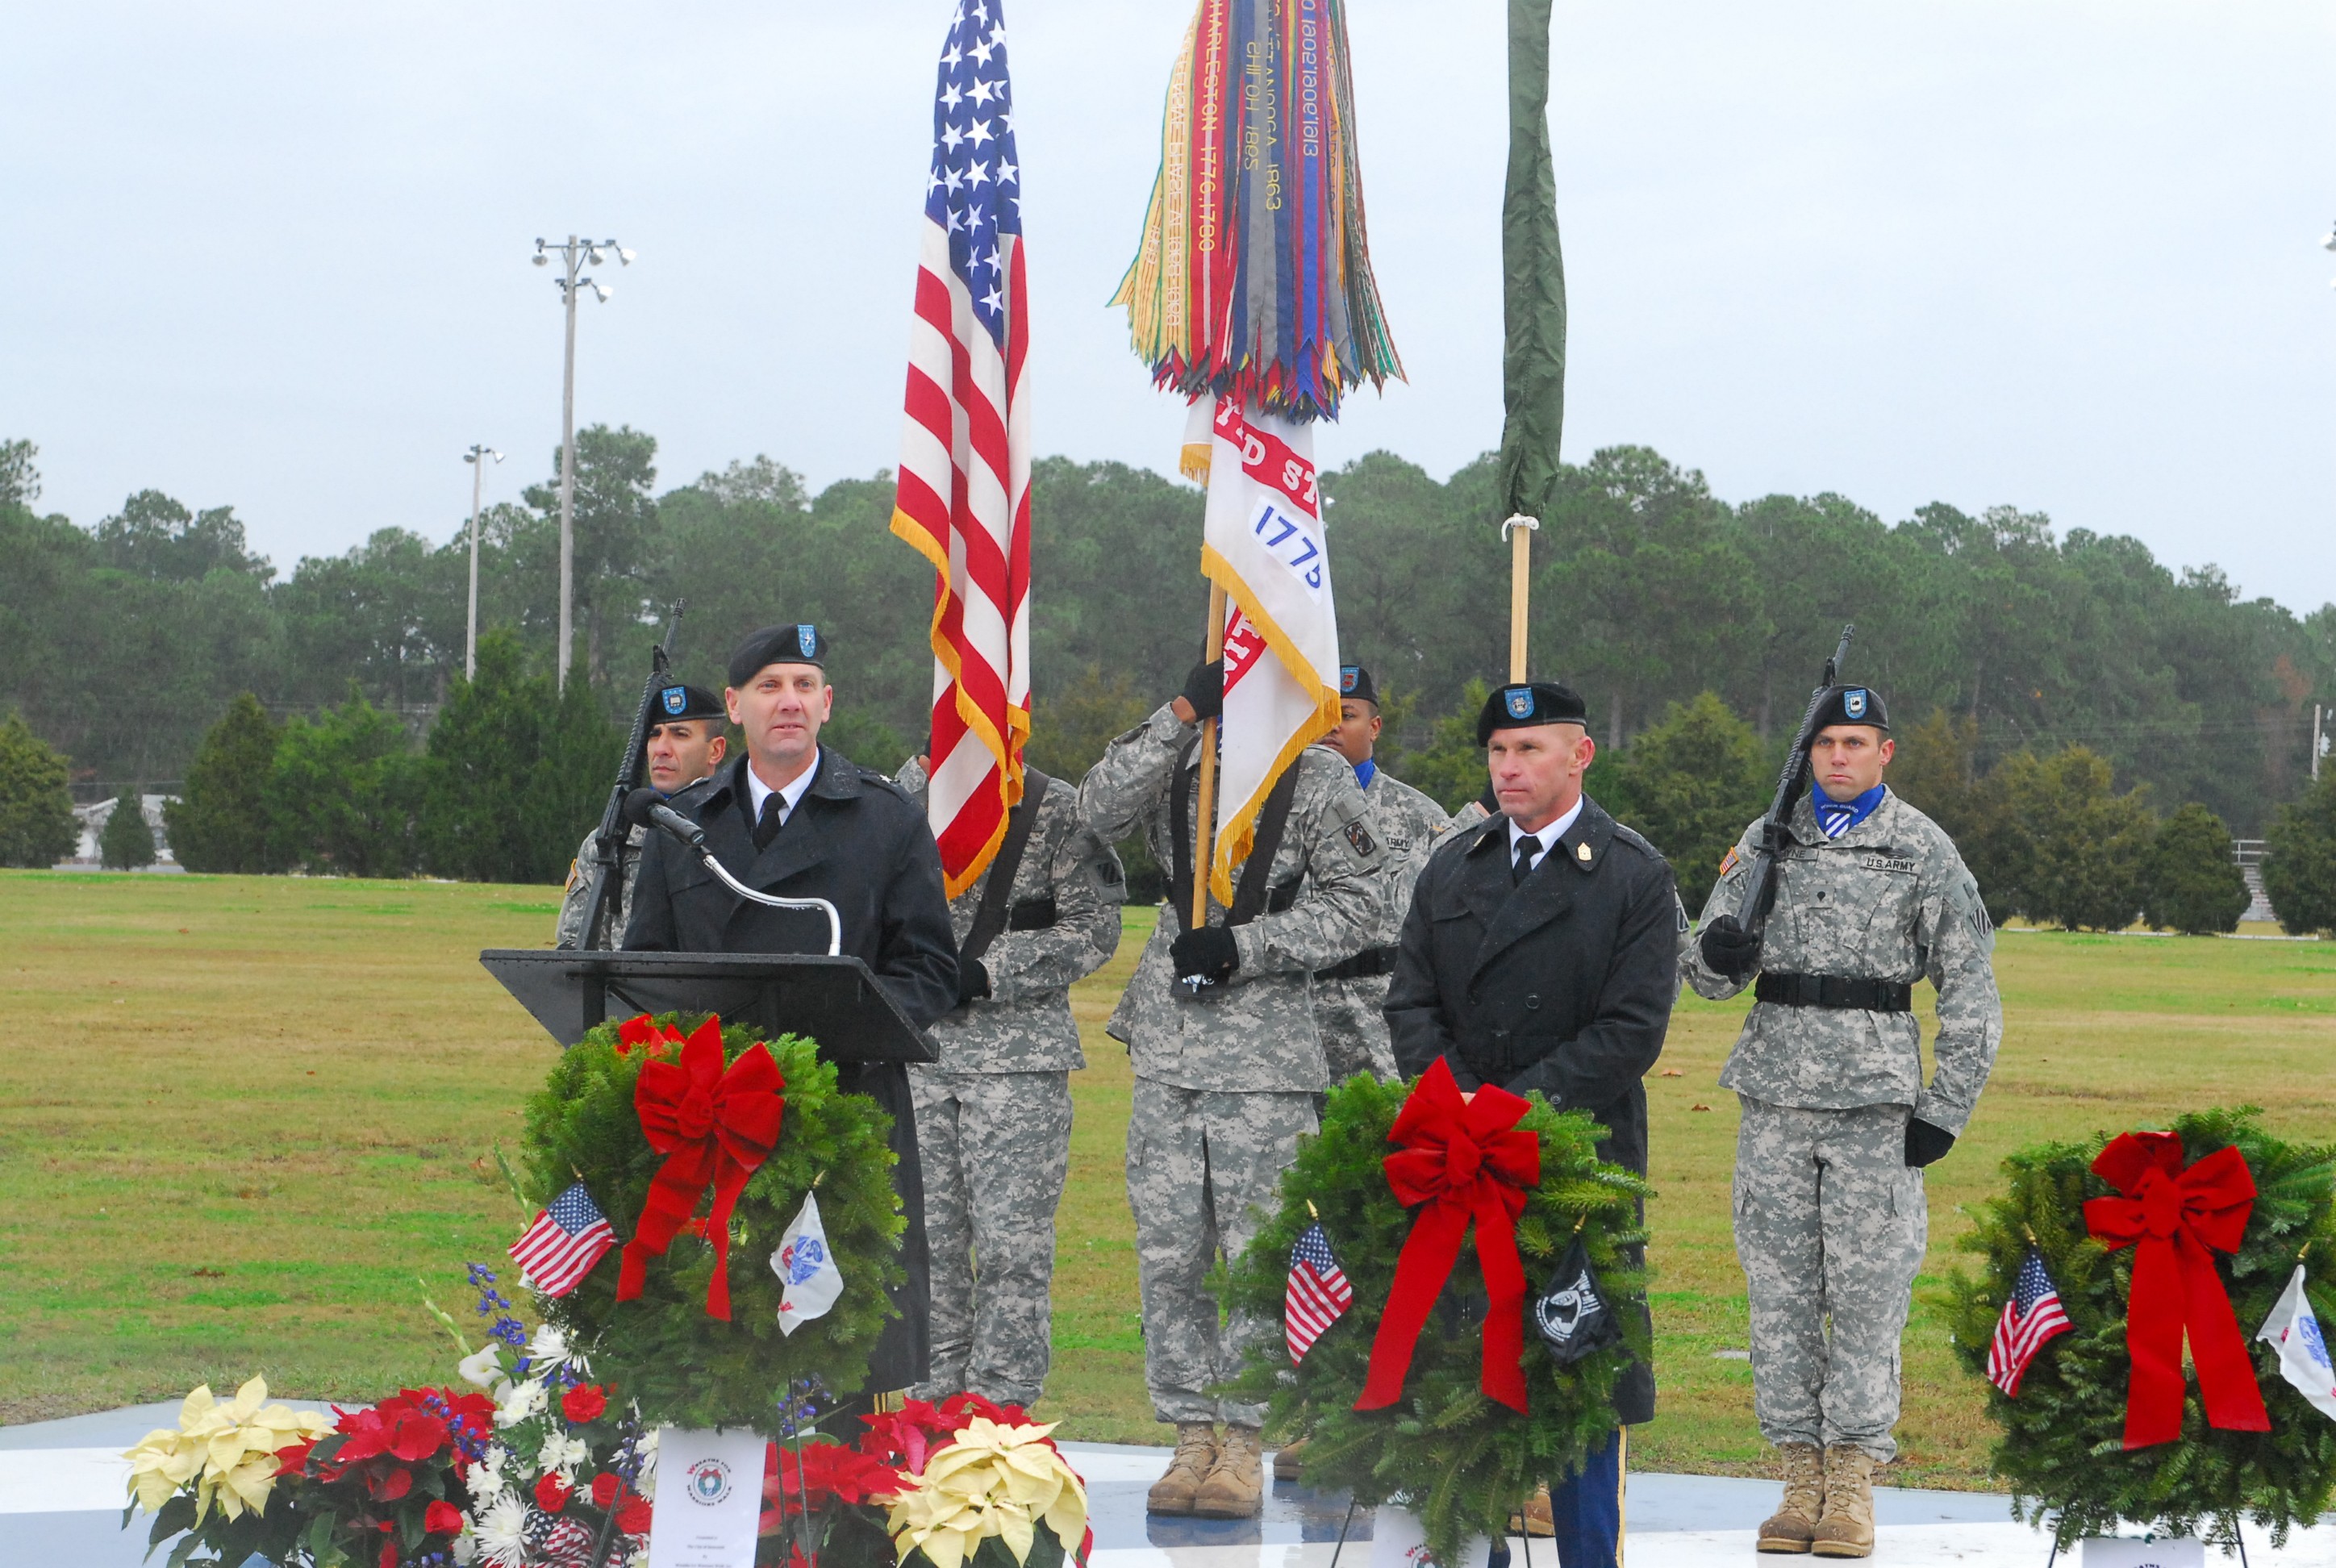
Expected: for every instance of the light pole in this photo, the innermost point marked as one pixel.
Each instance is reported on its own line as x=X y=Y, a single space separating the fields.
x=476 y=457
x=573 y=256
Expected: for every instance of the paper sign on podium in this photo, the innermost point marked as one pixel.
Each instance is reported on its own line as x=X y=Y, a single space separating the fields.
x=709 y=1499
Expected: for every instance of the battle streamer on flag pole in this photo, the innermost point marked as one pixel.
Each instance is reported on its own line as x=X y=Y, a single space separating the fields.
x=1251 y=294
x=963 y=494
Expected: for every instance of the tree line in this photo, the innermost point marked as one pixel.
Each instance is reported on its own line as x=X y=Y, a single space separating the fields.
x=133 y=637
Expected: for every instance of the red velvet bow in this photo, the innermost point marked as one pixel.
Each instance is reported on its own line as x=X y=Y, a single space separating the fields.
x=1466 y=1160
x=2174 y=1215
x=713 y=1128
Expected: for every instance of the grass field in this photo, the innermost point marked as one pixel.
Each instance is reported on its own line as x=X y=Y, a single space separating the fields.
x=246 y=1123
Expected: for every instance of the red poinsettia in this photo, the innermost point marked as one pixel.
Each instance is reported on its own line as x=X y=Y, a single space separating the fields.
x=906 y=1437
x=823 y=1471
x=584 y=1403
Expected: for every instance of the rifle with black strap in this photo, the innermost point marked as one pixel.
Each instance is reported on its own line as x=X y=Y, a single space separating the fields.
x=1760 y=884
x=607 y=882
x=996 y=906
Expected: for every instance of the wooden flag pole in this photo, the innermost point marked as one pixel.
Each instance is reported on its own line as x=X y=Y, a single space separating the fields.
x=1204 y=805
x=1519 y=532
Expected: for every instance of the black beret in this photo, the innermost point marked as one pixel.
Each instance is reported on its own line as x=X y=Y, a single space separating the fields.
x=674 y=703
x=1355 y=681
x=1519 y=707
x=797 y=643
x=1851 y=705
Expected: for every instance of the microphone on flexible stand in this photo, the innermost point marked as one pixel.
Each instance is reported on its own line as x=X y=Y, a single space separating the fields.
x=644 y=807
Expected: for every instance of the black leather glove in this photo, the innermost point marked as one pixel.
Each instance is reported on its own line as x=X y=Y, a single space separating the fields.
x=1210 y=953
x=1730 y=948
x=1925 y=1142
x=1204 y=690
x=972 y=980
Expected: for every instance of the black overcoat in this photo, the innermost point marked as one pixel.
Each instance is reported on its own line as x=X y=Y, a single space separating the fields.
x=1563 y=983
x=858 y=841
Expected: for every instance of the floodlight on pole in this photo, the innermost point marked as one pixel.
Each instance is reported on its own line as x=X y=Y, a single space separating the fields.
x=573 y=257
x=476 y=458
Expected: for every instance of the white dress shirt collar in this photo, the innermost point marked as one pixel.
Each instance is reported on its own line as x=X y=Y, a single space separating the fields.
x=1548 y=835
x=758 y=792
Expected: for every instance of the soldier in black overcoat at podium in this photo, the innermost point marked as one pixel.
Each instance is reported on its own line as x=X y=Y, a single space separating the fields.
x=797 y=820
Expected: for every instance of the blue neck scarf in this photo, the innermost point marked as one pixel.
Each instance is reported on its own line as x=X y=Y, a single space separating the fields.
x=1364 y=771
x=1837 y=817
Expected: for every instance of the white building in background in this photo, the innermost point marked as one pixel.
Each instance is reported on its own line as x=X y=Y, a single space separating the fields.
x=93 y=820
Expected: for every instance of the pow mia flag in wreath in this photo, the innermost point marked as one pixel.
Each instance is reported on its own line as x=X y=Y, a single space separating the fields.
x=1573 y=1311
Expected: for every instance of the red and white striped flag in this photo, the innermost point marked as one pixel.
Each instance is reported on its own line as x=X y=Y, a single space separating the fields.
x=964 y=495
x=2032 y=1316
x=566 y=1240
x=1318 y=1295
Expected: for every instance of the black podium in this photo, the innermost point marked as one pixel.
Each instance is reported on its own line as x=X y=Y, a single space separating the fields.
x=835 y=1001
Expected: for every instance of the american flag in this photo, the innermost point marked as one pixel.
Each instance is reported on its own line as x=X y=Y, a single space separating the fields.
x=964 y=492
x=2032 y=1316
x=1318 y=1295
x=566 y=1240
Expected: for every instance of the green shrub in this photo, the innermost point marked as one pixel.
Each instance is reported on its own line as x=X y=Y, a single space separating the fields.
x=36 y=818
x=2078 y=847
x=2299 y=868
x=127 y=841
x=2189 y=882
x=1691 y=784
x=341 y=797
x=516 y=773
x=220 y=823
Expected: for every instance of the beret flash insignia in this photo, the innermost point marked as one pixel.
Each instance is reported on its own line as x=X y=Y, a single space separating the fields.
x=1347 y=673
x=1519 y=700
x=807 y=639
x=1853 y=702
x=675 y=698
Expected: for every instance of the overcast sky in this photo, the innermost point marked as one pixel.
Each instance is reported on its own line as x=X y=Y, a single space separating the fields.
x=2057 y=254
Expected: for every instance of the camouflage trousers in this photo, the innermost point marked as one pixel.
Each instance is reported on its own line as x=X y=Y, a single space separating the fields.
x=1830 y=1227
x=996 y=1147
x=1354 y=1030
x=1202 y=1169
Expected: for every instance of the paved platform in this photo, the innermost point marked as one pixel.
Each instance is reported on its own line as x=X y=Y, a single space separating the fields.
x=62 y=1491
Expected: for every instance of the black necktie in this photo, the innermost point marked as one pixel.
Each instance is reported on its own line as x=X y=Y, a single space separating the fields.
x=767 y=825
x=1528 y=851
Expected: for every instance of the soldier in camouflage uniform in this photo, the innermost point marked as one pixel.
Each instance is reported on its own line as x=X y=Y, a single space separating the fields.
x=1349 y=995
x=994 y=1113
x=1831 y=1221
x=1225 y=1074
x=685 y=743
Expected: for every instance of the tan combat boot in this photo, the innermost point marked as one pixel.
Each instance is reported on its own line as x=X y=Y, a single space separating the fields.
x=1196 y=1451
x=1846 y=1530
x=1289 y=1461
x=1235 y=1487
x=1794 y=1524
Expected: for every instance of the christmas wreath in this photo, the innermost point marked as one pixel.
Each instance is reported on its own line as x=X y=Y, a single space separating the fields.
x=685 y=1318
x=2086 y=1439
x=1444 y=1445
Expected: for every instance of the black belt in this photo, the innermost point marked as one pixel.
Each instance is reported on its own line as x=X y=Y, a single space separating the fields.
x=1369 y=962
x=1792 y=991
